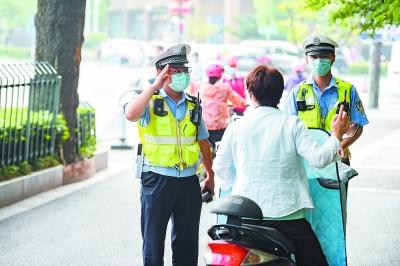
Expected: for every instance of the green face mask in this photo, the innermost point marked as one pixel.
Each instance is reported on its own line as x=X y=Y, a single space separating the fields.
x=320 y=66
x=179 y=81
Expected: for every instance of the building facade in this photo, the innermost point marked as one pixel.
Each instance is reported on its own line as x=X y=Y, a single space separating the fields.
x=159 y=20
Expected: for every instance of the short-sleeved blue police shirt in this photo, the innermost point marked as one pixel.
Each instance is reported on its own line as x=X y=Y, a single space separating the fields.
x=327 y=100
x=178 y=110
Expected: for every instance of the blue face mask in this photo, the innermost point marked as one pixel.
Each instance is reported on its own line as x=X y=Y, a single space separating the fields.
x=320 y=66
x=179 y=81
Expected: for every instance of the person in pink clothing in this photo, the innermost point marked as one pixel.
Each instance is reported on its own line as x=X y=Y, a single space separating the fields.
x=237 y=83
x=215 y=96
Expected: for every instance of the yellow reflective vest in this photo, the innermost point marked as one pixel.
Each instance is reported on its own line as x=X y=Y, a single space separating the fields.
x=312 y=117
x=168 y=142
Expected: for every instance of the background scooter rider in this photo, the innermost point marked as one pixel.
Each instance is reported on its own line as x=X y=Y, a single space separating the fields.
x=215 y=96
x=236 y=81
x=172 y=142
x=316 y=100
x=266 y=149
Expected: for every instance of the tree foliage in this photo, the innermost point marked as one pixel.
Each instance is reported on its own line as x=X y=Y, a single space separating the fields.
x=104 y=5
x=248 y=28
x=15 y=14
x=293 y=21
x=360 y=15
x=200 y=30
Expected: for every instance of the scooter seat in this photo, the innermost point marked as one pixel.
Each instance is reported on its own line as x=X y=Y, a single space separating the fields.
x=235 y=205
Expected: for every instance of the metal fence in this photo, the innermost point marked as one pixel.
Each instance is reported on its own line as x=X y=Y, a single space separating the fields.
x=29 y=100
x=86 y=128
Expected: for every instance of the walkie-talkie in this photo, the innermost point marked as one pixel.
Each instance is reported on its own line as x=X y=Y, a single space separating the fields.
x=195 y=114
x=344 y=103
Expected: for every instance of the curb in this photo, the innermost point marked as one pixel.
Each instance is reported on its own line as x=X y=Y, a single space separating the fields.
x=53 y=194
x=29 y=185
x=23 y=187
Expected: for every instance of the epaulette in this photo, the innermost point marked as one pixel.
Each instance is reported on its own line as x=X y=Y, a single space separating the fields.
x=192 y=99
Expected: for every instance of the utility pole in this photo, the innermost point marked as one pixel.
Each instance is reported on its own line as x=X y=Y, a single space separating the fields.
x=374 y=73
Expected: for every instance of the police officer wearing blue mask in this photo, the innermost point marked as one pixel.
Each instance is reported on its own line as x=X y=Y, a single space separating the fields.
x=317 y=99
x=173 y=136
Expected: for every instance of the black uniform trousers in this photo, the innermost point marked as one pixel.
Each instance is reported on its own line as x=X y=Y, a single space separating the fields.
x=299 y=231
x=162 y=198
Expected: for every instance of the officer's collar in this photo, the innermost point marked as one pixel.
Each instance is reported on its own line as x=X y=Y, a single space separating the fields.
x=310 y=80
x=165 y=95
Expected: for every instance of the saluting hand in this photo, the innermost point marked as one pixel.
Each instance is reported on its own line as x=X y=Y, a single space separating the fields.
x=160 y=79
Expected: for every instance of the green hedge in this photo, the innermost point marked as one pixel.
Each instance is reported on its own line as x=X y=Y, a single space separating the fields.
x=24 y=168
x=87 y=129
x=14 y=126
x=13 y=129
x=15 y=52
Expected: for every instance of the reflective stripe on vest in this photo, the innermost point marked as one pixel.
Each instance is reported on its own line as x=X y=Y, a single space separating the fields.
x=312 y=118
x=168 y=142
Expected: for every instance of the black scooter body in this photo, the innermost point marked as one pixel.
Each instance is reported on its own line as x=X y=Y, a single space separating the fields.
x=240 y=212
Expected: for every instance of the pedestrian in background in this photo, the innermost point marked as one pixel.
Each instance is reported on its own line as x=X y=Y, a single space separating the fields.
x=294 y=78
x=173 y=135
x=319 y=97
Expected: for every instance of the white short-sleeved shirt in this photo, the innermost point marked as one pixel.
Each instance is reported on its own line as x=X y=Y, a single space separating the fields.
x=260 y=157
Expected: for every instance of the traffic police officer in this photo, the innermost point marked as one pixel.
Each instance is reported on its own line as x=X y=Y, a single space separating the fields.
x=317 y=99
x=173 y=135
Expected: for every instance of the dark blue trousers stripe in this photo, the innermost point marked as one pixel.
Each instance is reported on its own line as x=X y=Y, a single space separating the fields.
x=162 y=198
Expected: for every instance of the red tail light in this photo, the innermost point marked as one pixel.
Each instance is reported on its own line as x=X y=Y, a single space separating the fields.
x=224 y=253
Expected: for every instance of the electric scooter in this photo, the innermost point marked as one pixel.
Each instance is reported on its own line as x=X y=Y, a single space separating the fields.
x=239 y=242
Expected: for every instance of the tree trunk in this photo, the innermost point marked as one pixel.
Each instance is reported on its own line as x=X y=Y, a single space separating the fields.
x=59 y=37
x=375 y=65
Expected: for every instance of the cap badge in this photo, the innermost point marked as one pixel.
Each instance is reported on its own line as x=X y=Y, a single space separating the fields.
x=316 y=41
x=183 y=50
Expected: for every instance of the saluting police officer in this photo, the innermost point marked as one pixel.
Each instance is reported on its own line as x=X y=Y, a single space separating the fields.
x=173 y=135
x=317 y=99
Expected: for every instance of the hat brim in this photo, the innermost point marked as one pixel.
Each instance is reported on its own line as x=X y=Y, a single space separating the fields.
x=178 y=64
x=316 y=52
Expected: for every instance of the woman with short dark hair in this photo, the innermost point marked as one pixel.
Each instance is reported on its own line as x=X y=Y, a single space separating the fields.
x=261 y=158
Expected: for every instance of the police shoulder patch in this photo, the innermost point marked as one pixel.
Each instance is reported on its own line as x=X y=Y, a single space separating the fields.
x=360 y=107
